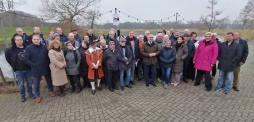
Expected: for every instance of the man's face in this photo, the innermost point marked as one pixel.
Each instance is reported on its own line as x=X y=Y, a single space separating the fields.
x=111 y=34
x=168 y=33
x=18 y=40
x=90 y=31
x=57 y=38
x=236 y=35
x=36 y=40
x=147 y=34
x=193 y=37
x=51 y=34
x=19 y=32
x=75 y=32
x=71 y=37
x=168 y=44
x=37 y=30
x=150 y=38
x=229 y=37
x=59 y=31
x=112 y=46
x=103 y=44
x=176 y=34
x=131 y=33
x=86 y=38
x=171 y=30
x=122 y=43
x=186 y=38
x=159 y=36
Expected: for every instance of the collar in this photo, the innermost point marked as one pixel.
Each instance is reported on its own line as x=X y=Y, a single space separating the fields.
x=90 y=49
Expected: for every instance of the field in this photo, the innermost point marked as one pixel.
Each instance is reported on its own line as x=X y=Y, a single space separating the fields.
x=247 y=34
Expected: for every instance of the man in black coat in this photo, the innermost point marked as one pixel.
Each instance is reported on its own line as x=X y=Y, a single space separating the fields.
x=112 y=38
x=134 y=45
x=110 y=60
x=14 y=56
x=24 y=36
x=91 y=36
x=229 y=56
x=76 y=36
x=36 y=55
x=37 y=31
x=83 y=68
x=244 y=55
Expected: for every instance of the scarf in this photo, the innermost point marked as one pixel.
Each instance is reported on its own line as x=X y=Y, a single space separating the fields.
x=57 y=49
x=178 y=45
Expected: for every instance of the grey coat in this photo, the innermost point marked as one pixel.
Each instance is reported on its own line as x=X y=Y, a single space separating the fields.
x=110 y=59
x=181 y=54
x=229 y=56
x=72 y=65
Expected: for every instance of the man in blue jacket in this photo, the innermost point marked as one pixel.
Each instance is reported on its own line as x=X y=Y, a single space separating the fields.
x=244 y=55
x=36 y=55
x=63 y=37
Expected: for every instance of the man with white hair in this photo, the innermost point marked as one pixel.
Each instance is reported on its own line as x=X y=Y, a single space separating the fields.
x=115 y=36
x=71 y=38
x=186 y=31
x=159 y=40
x=24 y=36
x=146 y=35
x=111 y=37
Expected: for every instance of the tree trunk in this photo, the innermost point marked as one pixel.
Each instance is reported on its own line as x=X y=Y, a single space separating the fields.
x=92 y=22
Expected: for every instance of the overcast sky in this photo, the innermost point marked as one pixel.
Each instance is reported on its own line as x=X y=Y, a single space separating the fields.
x=155 y=9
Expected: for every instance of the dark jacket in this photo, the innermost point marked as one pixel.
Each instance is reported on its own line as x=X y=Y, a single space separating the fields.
x=173 y=39
x=78 y=38
x=41 y=36
x=37 y=57
x=83 y=68
x=118 y=34
x=244 y=50
x=63 y=38
x=121 y=60
x=91 y=38
x=229 y=56
x=114 y=40
x=167 y=57
x=110 y=59
x=136 y=46
x=145 y=39
x=147 y=49
x=12 y=57
x=181 y=54
x=25 y=37
x=191 y=50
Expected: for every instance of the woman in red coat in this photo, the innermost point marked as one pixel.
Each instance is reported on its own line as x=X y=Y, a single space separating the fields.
x=94 y=60
x=204 y=59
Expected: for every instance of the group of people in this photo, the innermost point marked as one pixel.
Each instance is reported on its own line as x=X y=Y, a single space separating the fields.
x=170 y=58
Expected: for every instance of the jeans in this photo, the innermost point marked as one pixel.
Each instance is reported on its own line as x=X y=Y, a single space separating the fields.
x=127 y=75
x=147 y=69
x=166 y=74
x=208 y=79
x=21 y=75
x=133 y=67
x=112 y=78
x=37 y=81
x=229 y=77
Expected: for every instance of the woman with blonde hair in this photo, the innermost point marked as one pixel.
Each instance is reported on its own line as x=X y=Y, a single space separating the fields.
x=57 y=66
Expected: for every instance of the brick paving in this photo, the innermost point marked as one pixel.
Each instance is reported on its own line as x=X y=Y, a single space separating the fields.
x=184 y=103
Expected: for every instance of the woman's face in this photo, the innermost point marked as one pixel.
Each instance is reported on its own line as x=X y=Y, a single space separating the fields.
x=57 y=38
x=167 y=44
x=141 y=39
x=208 y=37
x=179 y=40
x=69 y=46
x=193 y=37
x=56 y=45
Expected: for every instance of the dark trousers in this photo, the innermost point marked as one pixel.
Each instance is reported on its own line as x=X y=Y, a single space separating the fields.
x=140 y=69
x=75 y=79
x=185 y=69
x=214 y=70
x=191 y=71
x=86 y=81
x=112 y=78
x=147 y=70
x=104 y=78
x=208 y=83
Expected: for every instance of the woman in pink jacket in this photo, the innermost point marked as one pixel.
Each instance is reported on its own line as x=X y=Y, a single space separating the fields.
x=205 y=57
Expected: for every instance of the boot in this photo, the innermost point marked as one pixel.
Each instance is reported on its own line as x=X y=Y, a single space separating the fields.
x=79 y=87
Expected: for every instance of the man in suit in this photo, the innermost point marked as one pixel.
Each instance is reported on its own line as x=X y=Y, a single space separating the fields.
x=244 y=55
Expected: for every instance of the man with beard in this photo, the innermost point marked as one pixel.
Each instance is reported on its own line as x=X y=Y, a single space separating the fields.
x=91 y=36
x=76 y=36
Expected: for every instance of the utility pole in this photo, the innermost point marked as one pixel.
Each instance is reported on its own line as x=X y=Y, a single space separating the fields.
x=176 y=17
x=118 y=25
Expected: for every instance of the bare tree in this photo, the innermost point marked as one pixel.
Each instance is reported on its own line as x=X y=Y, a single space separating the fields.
x=9 y=5
x=67 y=10
x=246 y=15
x=210 y=20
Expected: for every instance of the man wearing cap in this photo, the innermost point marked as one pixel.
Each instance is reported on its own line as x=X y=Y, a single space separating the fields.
x=76 y=36
x=124 y=56
x=191 y=51
x=94 y=57
x=150 y=50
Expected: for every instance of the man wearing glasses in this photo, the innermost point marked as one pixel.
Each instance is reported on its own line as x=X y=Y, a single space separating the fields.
x=24 y=36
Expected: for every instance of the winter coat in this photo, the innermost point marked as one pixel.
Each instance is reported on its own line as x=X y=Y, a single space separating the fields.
x=148 y=49
x=37 y=57
x=114 y=40
x=94 y=56
x=78 y=38
x=83 y=68
x=191 y=50
x=121 y=60
x=57 y=61
x=181 y=54
x=118 y=34
x=229 y=56
x=167 y=57
x=73 y=60
x=136 y=47
x=63 y=38
x=25 y=38
x=244 y=51
x=206 y=55
x=14 y=58
x=110 y=59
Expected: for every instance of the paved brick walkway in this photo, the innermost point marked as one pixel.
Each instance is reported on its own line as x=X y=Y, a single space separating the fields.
x=182 y=103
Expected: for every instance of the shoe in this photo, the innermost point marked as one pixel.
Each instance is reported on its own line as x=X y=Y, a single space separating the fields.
x=23 y=99
x=165 y=86
x=223 y=85
x=217 y=89
x=154 y=84
x=52 y=94
x=213 y=77
x=32 y=96
x=132 y=82
x=226 y=93
x=196 y=84
x=236 y=89
x=99 y=88
x=172 y=83
x=147 y=85
x=139 y=79
x=185 y=81
x=159 y=80
x=122 y=88
x=175 y=84
x=60 y=94
x=116 y=88
x=73 y=90
x=38 y=99
x=79 y=90
x=208 y=90
x=93 y=92
x=111 y=89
